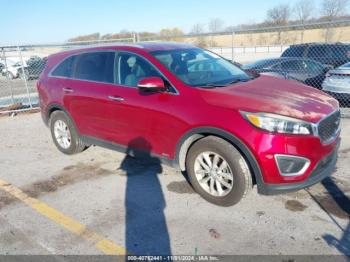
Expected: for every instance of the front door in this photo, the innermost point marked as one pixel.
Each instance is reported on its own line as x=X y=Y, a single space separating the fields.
x=145 y=121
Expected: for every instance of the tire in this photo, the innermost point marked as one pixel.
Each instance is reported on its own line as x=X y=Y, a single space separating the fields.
x=25 y=75
x=76 y=145
x=241 y=182
x=10 y=76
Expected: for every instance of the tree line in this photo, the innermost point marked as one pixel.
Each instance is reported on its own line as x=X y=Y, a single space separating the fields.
x=302 y=12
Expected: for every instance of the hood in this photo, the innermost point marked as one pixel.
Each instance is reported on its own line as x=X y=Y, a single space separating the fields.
x=273 y=95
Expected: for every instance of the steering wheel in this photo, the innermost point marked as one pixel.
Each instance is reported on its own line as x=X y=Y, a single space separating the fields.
x=206 y=75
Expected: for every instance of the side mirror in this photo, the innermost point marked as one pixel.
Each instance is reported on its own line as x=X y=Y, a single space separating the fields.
x=254 y=73
x=234 y=63
x=152 y=84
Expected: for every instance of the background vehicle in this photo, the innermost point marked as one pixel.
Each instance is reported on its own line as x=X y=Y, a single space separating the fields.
x=337 y=84
x=307 y=71
x=327 y=54
x=193 y=110
x=14 y=69
x=34 y=67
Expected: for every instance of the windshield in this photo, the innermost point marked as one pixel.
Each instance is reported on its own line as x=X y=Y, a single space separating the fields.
x=198 y=67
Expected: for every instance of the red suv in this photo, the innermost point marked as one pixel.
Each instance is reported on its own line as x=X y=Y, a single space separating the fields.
x=194 y=110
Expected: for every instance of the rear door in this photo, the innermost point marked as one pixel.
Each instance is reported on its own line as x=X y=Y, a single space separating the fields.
x=86 y=93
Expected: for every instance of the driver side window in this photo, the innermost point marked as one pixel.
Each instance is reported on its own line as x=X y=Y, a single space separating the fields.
x=131 y=68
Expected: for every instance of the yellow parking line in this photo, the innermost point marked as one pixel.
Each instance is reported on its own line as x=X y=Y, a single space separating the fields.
x=105 y=245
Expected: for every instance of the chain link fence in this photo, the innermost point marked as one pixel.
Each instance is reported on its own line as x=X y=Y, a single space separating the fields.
x=15 y=87
x=317 y=55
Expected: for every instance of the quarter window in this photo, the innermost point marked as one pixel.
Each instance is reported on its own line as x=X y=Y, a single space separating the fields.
x=64 y=69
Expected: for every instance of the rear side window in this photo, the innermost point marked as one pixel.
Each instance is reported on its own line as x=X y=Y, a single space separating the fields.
x=341 y=51
x=294 y=51
x=337 y=51
x=96 y=66
x=319 y=51
x=64 y=69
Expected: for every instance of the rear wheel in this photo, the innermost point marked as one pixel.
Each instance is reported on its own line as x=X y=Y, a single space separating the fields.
x=218 y=171
x=65 y=135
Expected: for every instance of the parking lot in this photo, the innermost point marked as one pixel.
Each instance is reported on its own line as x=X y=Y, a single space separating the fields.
x=17 y=86
x=102 y=202
x=14 y=91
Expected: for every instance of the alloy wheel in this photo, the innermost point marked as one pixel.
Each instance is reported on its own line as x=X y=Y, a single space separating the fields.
x=62 y=134
x=213 y=174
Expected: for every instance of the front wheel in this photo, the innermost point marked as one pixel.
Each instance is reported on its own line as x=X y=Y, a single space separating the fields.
x=218 y=171
x=24 y=75
x=10 y=76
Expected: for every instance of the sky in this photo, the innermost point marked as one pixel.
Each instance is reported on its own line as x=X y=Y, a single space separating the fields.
x=55 y=21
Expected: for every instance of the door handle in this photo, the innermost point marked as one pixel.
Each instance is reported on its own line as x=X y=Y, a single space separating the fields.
x=116 y=98
x=67 y=90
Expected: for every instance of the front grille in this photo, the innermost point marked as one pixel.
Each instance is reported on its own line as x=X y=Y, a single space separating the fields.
x=329 y=126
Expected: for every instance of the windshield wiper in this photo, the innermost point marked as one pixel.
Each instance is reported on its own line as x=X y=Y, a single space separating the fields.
x=211 y=85
x=238 y=80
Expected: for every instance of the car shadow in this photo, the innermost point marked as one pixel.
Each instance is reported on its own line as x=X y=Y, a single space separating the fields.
x=343 y=201
x=146 y=230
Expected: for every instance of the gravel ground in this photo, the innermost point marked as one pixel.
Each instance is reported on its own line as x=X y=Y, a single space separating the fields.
x=149 y=209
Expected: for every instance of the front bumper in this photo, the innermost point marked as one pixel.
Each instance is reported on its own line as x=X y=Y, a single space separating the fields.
x=323 y=169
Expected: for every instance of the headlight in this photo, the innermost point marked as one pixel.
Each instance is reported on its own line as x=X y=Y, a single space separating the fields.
x=279 y=124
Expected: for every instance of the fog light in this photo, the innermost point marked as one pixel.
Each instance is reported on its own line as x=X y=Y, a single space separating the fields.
x=291 y=165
